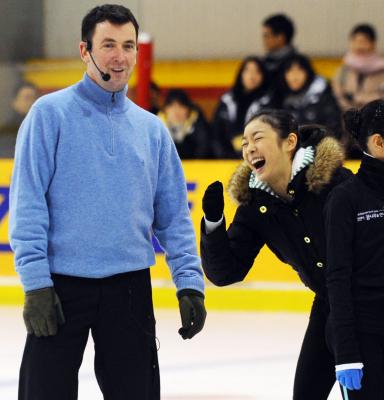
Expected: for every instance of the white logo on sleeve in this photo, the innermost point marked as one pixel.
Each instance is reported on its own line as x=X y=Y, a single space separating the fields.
x=368 y=215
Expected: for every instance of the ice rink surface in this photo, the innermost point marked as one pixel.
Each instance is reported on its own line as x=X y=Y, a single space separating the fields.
x=238 y=356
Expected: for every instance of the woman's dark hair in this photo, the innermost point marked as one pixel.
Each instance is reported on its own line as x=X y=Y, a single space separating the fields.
x=281 y=24
x=365 y=122
x=304 y=63
x=178 y=96
x=116 y=14
x=238 y=88
x=365 y=29
x=312 y=134
x=281 y=121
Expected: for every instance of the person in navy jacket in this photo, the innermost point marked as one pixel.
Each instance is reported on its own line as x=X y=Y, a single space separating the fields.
x=355 y=274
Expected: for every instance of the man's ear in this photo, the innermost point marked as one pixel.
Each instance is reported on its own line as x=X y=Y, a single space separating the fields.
x=84 y=54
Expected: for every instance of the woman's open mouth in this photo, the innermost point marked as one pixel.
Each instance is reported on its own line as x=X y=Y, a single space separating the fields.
x=258 y=163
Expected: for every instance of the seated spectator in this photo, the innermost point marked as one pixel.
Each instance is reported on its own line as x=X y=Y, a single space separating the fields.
x=249 y=91
x=308 y=96
x=360 y=79
x=278 y=31
x=187 y=125
x=25 y=96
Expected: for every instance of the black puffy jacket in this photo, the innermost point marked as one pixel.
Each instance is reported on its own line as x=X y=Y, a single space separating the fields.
x=294 y=230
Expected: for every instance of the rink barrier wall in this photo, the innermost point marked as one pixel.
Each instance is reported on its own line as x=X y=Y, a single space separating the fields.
x=270 y=285
x=59 y=73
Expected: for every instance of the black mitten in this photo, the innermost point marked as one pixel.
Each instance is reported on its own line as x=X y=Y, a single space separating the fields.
x=213 y=202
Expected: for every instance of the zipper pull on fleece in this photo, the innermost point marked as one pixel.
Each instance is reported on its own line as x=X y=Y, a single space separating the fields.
x=113 y=97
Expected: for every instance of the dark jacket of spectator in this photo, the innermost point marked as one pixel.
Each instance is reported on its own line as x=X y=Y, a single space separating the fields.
x=308 y=96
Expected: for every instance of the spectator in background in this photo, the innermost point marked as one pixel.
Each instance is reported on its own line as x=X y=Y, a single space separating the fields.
x=278 y=31
x=360 y=79
x=187 y=125
x=25 y=96
x=249 y=91
x=308 y=96
x=155 y=94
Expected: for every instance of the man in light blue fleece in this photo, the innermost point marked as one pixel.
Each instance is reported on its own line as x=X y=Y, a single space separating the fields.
x=94 y=177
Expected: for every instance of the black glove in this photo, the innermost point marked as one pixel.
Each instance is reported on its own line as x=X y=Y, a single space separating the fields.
x=42 y=312
x=213 y=202
x=192 y=312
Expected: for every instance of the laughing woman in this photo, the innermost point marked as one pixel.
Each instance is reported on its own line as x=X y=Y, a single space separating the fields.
x=281 y=188
x=355 y=274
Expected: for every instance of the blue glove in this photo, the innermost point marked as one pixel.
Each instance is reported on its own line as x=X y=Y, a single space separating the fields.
x=350 y=378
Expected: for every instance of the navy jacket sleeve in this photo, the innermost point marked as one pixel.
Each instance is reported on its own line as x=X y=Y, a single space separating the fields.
x=227 y=256
x=340 y=224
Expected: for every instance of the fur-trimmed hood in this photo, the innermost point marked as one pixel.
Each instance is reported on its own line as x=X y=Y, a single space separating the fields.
x=329 y=156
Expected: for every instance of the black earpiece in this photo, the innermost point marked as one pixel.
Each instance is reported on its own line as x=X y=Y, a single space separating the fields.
x=104 y=75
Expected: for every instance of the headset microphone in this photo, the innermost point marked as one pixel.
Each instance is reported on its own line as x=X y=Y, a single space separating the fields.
x=104 y=75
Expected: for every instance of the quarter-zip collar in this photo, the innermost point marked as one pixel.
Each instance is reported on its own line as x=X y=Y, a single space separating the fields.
x=91 y=91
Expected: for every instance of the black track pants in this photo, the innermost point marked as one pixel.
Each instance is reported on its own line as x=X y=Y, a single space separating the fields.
x=118 y=311
x=315 y=371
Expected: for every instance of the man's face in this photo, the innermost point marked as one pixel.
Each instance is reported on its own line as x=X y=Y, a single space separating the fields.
x=272 y=41
x=265 y=153
x=114 y=49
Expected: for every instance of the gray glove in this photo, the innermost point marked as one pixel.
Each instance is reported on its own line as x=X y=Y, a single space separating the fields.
x=192 y=312
x=42 y=312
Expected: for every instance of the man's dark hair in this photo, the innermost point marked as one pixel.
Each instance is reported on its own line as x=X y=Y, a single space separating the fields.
x=114 y=13
x=281 y=24
x=365 y=29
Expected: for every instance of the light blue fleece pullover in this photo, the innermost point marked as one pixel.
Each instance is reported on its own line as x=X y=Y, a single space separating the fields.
x=94 y=176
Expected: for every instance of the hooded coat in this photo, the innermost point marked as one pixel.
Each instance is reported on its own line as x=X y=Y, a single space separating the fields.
x=293 y=230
